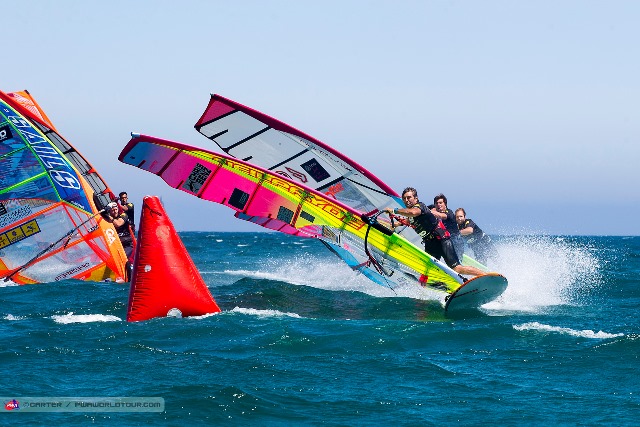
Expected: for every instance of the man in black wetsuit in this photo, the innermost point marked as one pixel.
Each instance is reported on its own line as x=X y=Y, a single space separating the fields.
x=433 y=232
x=449 y=220
x=120 y=222
x=127 y=207
x=479 y=242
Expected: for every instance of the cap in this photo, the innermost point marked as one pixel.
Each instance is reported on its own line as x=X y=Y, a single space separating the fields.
x=112 y=205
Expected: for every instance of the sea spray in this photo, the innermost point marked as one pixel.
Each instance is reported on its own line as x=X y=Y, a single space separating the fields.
x=544 y=271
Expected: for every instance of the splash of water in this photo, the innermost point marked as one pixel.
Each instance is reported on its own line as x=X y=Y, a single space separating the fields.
x=544 y=271
x=334 y=275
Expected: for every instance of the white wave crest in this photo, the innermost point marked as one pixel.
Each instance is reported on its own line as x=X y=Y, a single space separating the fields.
x=264 y=313
x=204 y=316
x=84 y=318
x=568 y=331
x=12 y=317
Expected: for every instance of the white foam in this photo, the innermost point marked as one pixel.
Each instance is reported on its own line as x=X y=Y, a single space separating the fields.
x=12 y=317
x=264 y=313
x=204 y=316
x=543 y=271
x=331 y=275
x=84 y=318
x=9 y=282
x=587 y=333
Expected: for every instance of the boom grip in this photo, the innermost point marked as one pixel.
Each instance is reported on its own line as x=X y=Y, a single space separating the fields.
x=373 y=222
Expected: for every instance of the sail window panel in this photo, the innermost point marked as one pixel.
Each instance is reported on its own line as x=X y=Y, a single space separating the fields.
x=308 y=169
x=95 y=182
x=60 y=143
x=267 y=149
x=197 y=178
x=339 y=165
x=101 y=200
x=40 y=126
x=71 y=262
x=9 y=139
x=232 y=128
x=52 y=224
x=304 y=219
x=238 y=199
x=350 y=194
x=39 y=189
x=78 y=217
x=266 y=203
x=78 y=162
x=16 y=211
x=225 y=188
x=101 y=243
x=150 y=157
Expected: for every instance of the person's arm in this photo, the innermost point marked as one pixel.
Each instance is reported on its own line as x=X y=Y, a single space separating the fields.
x=438 y=214
x=408 y=212
x=466 y=231
x=117 y=221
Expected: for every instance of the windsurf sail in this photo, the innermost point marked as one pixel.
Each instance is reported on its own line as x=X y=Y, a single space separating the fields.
x=252 y=136
x=50 y=203
x=278 y=203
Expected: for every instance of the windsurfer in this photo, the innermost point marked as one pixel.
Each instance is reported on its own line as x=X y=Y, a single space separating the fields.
x=127 y=207
x=449 y=220
x=478 y=241
x=121 y=224
x=434 y=234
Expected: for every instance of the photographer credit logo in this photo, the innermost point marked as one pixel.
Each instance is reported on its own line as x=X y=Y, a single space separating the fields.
x=12 y=405
x=83 y=404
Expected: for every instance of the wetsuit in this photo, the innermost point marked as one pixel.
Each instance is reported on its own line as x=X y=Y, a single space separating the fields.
x=124 y=233
x=478 y=241
x=131 y=215
x=456 y=237
x=435 y=236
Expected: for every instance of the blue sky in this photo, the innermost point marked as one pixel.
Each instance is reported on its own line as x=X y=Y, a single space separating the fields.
x=526 y=113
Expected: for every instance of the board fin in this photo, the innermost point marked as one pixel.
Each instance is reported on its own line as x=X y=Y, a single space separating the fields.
x=165 y=280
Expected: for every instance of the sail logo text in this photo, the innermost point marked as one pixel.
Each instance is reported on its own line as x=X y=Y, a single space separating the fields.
x=5 y=133
x=14 y=215
x=18 y=233
x=47 y=154
x=111 y=235
x=72 y=271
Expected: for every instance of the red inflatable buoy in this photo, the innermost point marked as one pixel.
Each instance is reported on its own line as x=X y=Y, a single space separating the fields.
x=165 y=281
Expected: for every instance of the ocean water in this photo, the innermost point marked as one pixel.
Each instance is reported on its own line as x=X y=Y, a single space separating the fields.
x=302 y=340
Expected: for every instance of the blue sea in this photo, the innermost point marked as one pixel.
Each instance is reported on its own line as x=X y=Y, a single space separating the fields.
x=302 y=340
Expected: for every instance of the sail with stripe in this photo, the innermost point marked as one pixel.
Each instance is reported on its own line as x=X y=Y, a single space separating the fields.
x=50 y=203
x=252 y=136
x=278 y=203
